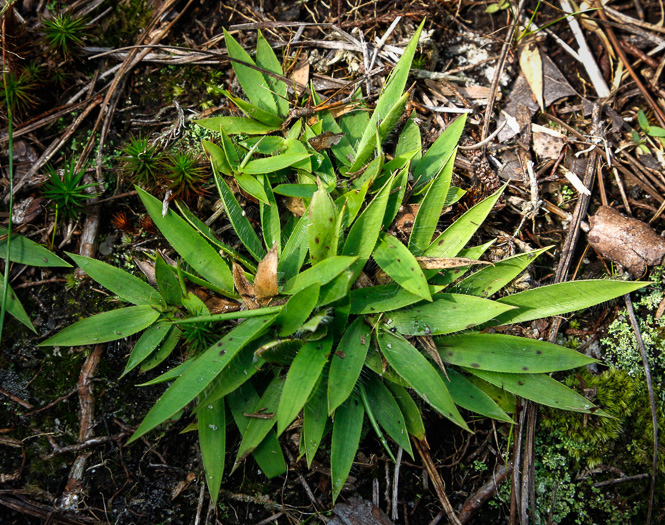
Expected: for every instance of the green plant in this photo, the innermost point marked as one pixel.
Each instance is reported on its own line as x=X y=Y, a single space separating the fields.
x=184 y=175
x=141 y=161
x=652 y=131
x=310 y=342
x=16 y=91
x=66 y=194
x=64 y=33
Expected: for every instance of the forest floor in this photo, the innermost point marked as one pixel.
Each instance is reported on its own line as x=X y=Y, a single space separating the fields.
x=142 y=68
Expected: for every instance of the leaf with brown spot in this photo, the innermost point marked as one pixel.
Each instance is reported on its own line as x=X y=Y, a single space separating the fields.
x=444 y=263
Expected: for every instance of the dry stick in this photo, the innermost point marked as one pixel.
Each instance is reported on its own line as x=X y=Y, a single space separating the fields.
x=622 y=55
x=499 y=71
x=439 y=486
x=488 y=490
x=395 y=511
x=652 y=400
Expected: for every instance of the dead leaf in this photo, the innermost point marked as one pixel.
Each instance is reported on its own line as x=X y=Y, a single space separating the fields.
x=444 y=263
x=244 y=287
x=265 y=282
x=546 y=145
x=295 y=206
x=532 y=67
x=325 y=140
x=301 y=74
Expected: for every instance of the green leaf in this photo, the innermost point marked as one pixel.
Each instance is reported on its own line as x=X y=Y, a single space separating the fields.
x=302 y=191
x=347 y=363
x=212 y=441
x=470 y=397
x=198 y=376
x=314 y=422
x=167 y=282
x=252 y=111
x=438 y=153
x=446 y=314
x=336 y=290
x=412 y=416
x=345 y=439
x=15 y=308
x=164 y=350
x=297 y=309
x=104 y=327
x=191 y=246
x=25 y=251
x=268 y=454
x=240 y=223
x=383 y=298
x=364 y=233
x=258 y=427
x=354 y=123
x=387 y=412
x=399 y=264
x=410 y=140
x=270 y=221
x=322 y=273
x=321 y=232
x=490 y=280
x=507 y=401
x=429 y=212
x=295 y=251
x=644 y=122
x=301 y=380
x=148 y=341
x=390 y=95
x=276 y=163
x=236 y=125
x=252 y=81
x=451 y=241
x=562 y=298
x=217 y=157
x=252 y=186
x=266 y=58
x=169 y=375
x=540 y=388
x=396 y=198
x=413 y=367
x=656 y=131
x=126 y=286
x=507 y=353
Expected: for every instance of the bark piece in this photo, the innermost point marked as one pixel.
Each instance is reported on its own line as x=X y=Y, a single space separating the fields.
x=626 y=241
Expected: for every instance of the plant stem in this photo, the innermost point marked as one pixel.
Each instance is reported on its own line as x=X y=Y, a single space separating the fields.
x=55 y=226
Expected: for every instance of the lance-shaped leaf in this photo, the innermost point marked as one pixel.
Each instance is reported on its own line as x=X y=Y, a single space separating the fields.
x=301 y=379
x=347 y=363
x=322 y=273
x=387 y=412
x=255 y=112
x=438 y=153
x=212 y=441
x=507 y=401
x=470 y=397
x=488 y=281
x=270 y=221
x=217 y=157
x=252 y=81
x=126 y=286
x=297 y=309
x=206 y=367
x=383 y=298
x=191 y=246
x=507 y=353
x=268 y=454
x=262 y=419
x=104 y=327
x=266 y=58
x=345 y=439
x=451 y=241
x=562 y=298
x=295 y=250
x=15 y=308
x=238 y=220
x=540 y=388
x=323 y=220
x=148 y=341
x=253 y=187
x=25 y=251
x=399 y=263
x=167 y=282
x=410 y=140
x=276 y=163
x=429 y=212
x=447 y=313
x=412 y=415
x=165 y=348
x=390 y=95
x=314 y=418
x=236 y=125
x=421 y=376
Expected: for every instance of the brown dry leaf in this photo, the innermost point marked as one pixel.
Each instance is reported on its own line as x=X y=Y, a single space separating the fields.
x=220 y=305
x=182 y=485
x=339 y=111
x=532 y=67
x=244 y=287
x=265 y=282
x=301 y=74
x=325 y=140
x=295 y=206
x=546 y=145
x=427 y=342
x=444 y=263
